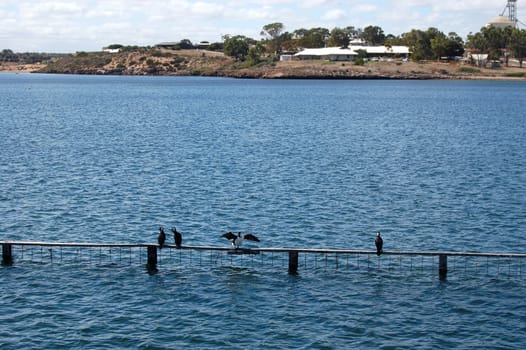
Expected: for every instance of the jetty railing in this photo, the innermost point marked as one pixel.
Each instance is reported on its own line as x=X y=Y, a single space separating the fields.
x=310 y=257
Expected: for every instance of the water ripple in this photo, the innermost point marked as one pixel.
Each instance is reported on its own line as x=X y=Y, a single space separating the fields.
x=433 y=165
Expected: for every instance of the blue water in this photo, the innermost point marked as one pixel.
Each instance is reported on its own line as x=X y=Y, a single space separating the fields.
x=433 y=165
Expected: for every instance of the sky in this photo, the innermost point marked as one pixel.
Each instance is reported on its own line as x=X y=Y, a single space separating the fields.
x=68 y=26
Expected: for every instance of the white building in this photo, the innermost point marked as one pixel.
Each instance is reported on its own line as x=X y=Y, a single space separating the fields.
x=350 y=53
x=105 y=49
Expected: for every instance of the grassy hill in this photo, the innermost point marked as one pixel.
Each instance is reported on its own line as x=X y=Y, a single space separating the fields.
x=139 y=62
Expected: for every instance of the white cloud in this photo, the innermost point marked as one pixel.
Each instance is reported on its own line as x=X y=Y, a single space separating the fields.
x=84 y=25
x=333 y=15
x=49 y=10
x=206 y=9
x=314 y=3
x=364 y=8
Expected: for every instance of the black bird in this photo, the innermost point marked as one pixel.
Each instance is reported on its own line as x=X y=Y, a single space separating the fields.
x=239 y=238
x=161 y=238
x=379 y=242
x=178 y=239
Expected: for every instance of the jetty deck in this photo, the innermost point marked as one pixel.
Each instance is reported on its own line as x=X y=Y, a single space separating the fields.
x=294 y=258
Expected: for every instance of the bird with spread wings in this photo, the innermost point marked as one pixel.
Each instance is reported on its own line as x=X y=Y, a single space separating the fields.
x=239 y=238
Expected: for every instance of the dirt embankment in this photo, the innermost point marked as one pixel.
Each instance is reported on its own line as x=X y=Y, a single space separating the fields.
x=208 y=63
x=19 y=68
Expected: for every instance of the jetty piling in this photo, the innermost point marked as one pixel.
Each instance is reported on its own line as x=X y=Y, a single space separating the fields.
x=442 y=267
x=293 y=263
x=7 y=254
x=152 y=256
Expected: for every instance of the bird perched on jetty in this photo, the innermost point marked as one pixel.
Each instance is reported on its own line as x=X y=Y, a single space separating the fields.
x=239 y=238
x=178 y=239
x=379 y=242
x=161 y=238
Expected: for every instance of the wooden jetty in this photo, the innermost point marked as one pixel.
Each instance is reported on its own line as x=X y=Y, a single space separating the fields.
x=293 y=253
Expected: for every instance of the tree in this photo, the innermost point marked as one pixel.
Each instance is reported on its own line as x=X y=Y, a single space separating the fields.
x=254 y=53
x=477 y=42
x=439 y=45
x=491 y=40
x=312 y=38
x=353 y=32
x=418 y=43
x=518 y=44
x=8 y=55
x=391 y=40
x=361 y=53
x=216 y=47
x=436 y=43
x=185 y=44
x=455 y=45
x=498 y=38
x=339 y=37
x=445 y=46
x=373 y=35
x=236 y=46
x=273 y=32
x=430 y=44
x=288 y=43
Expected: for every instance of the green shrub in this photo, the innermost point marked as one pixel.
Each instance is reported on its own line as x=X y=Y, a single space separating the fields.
x=177 y=60
x=469 y=70
x=516 y=75
x=359 y=61
x=197 y=72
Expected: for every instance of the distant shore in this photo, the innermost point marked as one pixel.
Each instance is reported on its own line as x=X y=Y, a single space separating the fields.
x=205 y=63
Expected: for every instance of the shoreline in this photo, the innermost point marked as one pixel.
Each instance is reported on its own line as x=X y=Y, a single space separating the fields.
x=307 y=70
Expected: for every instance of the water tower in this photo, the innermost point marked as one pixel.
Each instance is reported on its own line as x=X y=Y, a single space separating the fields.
x=508 y=17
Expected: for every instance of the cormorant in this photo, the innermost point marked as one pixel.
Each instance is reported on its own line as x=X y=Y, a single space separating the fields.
x=379 y=242
x=178 y=239
x=161 y=238
x=239 y=238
